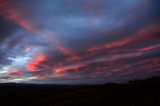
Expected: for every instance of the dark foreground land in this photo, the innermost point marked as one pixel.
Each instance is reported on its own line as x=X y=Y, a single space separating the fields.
x=134 y=93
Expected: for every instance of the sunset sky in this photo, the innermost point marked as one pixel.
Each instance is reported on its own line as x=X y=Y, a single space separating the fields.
x=79 y=41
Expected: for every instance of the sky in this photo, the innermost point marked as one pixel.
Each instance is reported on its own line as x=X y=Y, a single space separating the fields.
x=79 y=41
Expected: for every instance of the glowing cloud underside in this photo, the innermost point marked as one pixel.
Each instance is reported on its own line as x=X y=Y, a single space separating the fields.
x=85 y=41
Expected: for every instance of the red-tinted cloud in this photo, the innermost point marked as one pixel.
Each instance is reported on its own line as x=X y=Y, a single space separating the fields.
x=149 y=48
x=34 y=65
x=66 y=68
x=14 y=73
x=71 y=55
x=141 y=35
x=65 y=51
x=11 y=14
x=132 y=50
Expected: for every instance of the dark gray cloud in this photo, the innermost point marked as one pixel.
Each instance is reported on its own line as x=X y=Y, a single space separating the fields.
x=7 y=29
x=69 y=41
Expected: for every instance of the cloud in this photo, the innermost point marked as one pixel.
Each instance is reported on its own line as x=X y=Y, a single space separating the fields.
x=7 y=29
x=78 y=41
x=35 y=65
